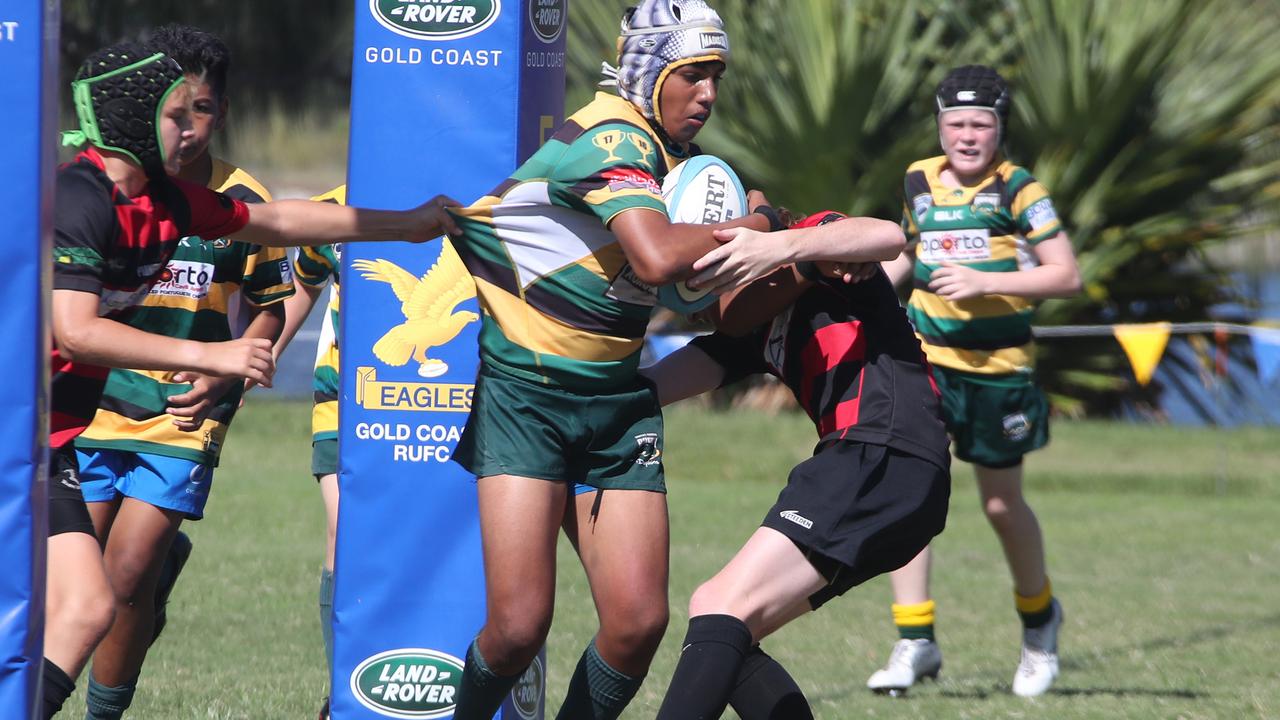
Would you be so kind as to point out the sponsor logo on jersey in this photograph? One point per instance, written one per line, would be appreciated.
(114, 300)
(940, 245)
(436, 19)
(408, 683)
(547, 18)
(648, 453)
(286, 272)
(986, 202)
(183, 278)
(1016, 426)
(526, 696)
(1041, 213)
(624, 179)
(628, 288)
(796, 518)
(922, 203)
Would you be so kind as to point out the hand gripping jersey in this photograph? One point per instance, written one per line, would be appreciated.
(314, 266)
(987, 228)
(191, 300)
(850, 358)
(116, 247)
(561, 305)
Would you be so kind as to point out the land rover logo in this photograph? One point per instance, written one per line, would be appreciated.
(547, 19)
(436, 19)
(526, 696)
(408, 683)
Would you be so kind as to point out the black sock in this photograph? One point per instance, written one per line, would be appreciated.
(766, 691)
(481, 691)
(58, 686)
(596, 690)
(714, 648)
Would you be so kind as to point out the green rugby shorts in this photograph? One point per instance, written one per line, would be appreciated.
(610, 441)
(993, 419)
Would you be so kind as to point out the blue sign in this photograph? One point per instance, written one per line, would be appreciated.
(447, 97)
(28, 61)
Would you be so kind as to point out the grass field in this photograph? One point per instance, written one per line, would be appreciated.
(1163, 546)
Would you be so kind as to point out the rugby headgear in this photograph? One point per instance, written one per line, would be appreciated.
(659, 36)
(119, 92)
(975, 87)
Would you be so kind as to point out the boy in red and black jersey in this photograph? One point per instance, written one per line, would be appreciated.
(119, 216)
(116, 247)
(876, 489)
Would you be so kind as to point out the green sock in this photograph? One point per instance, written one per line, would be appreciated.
(481, 691)
(326, 616)
(597, 691)
(108, 703)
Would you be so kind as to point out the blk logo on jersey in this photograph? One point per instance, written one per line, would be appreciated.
(182, 278)
(952, 245)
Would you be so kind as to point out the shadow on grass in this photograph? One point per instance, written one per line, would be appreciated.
(1214, 633)
(1004, 691)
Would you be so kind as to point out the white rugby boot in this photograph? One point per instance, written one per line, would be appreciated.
(910, 661)
(1039, 665)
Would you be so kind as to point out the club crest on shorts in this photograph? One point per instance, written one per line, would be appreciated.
(648, 452)
(1016, 426)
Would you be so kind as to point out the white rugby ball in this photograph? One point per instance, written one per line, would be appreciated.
(700, 191)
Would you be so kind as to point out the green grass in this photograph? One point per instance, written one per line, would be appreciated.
(1162, 546)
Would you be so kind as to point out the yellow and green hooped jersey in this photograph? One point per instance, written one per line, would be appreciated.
(191, 300)
(987, 227)
(561, 305)
(315, 266)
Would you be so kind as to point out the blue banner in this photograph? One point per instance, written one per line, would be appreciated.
(28, 60)
(1266, 352)
(447, 97)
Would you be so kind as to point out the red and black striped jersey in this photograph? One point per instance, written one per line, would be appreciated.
(852, 361)
(116, 247)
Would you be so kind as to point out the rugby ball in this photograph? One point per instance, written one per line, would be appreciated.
(699, 191)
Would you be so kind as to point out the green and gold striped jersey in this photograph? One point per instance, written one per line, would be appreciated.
(191, 300)
(561, 304)
(989, 227)
(314, 267)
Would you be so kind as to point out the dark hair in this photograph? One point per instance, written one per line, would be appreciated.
(197, 51)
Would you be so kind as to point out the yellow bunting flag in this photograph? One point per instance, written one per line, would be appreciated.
(1144, 344)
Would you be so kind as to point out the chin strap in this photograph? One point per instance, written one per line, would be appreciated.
(610, 74)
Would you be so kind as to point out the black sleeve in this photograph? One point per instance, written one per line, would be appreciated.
(84, 230)
(739, 356)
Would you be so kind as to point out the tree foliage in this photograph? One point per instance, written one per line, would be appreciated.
(1152, 123)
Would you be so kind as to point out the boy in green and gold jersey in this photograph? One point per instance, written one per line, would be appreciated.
(147, 459)
(987, 244)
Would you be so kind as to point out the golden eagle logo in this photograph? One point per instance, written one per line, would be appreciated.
(428, 304)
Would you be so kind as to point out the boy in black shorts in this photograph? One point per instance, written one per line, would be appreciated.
(873, 494)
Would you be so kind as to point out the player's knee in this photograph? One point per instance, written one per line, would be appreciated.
(517, 637)
(129, 579)
(639, 628)
(710, 599)
(86, 614)
(1000, 511)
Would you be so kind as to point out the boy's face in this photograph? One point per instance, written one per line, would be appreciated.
(176, 127)
(208, 114)
(970, 139)
(687, 97)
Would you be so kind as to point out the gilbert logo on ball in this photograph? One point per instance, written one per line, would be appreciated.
(436, 19)
(701, 190)
(408, 683)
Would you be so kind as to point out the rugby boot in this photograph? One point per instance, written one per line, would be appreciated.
(174, 561)
(1039, 665)
(910, 661)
